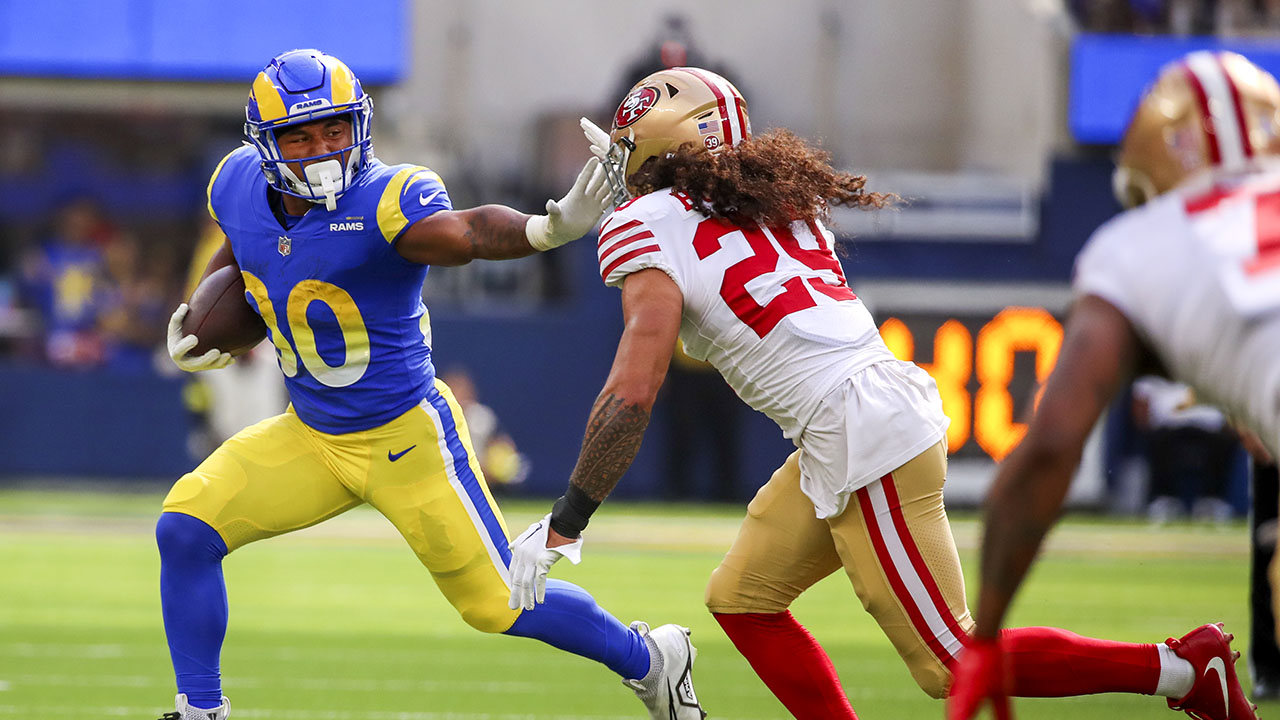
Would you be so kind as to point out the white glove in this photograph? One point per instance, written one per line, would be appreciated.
(599, 139)
(574, 214)
(179, 346)
(614, 157)
(531, 560)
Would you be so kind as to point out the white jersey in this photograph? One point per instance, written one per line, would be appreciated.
(1198, 276)
(770, 309)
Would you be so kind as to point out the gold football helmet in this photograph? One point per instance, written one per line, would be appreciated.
(1206, 111)
(667, 109)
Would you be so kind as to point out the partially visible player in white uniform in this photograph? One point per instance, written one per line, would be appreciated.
(1185, 284)
(724, 246)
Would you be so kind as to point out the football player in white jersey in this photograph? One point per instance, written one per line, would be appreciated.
(1185, 283)
(724, 245)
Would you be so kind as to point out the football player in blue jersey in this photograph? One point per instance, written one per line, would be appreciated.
(333, 246)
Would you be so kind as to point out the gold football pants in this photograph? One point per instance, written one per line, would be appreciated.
(893, 541)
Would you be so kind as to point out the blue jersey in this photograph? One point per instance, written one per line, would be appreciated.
(342, 307)
(69, 288)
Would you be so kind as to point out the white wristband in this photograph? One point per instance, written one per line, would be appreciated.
(536, 232)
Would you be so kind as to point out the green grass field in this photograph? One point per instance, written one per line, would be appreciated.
(339, 622)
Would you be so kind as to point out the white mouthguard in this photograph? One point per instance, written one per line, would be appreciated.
(325, 174)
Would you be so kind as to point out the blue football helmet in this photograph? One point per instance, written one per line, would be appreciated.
(297, 87)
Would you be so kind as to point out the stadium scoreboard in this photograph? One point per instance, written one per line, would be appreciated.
(989, 367)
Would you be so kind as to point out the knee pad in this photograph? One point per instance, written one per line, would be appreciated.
(185, 538)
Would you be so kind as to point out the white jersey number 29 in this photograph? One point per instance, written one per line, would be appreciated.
(795, 296)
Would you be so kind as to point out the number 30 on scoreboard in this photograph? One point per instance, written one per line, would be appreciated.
(990, 384)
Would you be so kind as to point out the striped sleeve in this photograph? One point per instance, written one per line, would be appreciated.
(627, 245)
(413, 193)
(218, 191)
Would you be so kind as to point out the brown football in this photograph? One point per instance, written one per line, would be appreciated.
(220, 316)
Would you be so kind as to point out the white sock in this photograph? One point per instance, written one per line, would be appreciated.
(1176, 675)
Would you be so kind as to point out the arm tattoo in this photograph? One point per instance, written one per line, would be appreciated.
(613, 436)
(497, 234)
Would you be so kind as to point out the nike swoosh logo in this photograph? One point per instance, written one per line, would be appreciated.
(1219, 667)
(396, 456)
(425, 200)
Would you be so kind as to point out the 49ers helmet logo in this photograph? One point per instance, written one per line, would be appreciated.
(635, 106)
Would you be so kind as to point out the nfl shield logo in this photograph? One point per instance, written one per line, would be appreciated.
(285, 245)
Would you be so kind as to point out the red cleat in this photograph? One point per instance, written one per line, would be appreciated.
(1216, 694)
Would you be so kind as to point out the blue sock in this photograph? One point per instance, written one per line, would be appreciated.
(193, 598)
(571, 620)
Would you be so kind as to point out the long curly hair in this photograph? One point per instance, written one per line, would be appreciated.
(775, 178)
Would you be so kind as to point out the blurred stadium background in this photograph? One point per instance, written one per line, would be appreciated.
(994, 119)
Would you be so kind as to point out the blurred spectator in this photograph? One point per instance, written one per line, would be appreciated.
(502, 464)
(704, 416)
(1191, 17)
(65, 281)
(1190, 451)
(1179, 17)
(1247, 17)
(1122, 16)
(673, 46)
(135, 305)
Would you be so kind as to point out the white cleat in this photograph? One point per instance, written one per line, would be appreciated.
(184, 711)
(667, 690)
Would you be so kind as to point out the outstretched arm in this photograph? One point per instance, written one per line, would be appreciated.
(456, 237)
(1099, 354)
(651, 308)
(497, 232)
